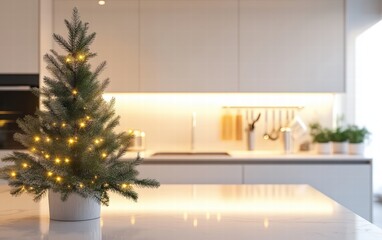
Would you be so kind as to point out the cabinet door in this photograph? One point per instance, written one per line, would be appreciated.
(292, 46)
(117, 42)
(192, 174)
(189, 46)
(19, 21)
(348, 184)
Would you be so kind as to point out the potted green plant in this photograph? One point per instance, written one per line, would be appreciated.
(357, 137)
(339, 138)
(321, 137)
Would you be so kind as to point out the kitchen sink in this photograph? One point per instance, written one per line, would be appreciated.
(158, 154)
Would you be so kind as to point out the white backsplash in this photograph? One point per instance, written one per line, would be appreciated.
(167, 118)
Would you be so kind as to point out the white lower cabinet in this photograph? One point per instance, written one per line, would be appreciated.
(190, 174)
(348, 184)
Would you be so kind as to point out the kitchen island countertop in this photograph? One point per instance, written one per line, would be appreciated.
(192, 212)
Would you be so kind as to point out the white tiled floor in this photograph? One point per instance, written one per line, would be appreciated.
(377, 214)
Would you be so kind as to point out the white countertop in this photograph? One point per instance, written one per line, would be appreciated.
(243, 157)
(213, 212)
(253, 157)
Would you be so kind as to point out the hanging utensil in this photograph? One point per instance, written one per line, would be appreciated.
(265, 135)
(274, 135)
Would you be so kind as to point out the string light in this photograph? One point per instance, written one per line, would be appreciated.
(124, 185)
(58, 179)
(50, 174)
(81, 57)
(67, 160)
(13, 174)
(25, 165)
(101, 2)
(57, 160)
(71, 140)
(47, 139)
(81, 185)
(33, 149)
(104, 155)
(74, 92)
(63, 125)
(68, 59)
(37, 139)
(82, 124)
(87, 117)
(47, 156)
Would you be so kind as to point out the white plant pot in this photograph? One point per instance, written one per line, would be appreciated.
(324, 148)
(356, 148)
(340, 147)
(75, 208)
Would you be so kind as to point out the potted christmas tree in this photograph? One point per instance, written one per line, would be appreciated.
(74, 153)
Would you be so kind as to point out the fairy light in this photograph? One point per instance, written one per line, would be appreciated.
(33, 149)
(71, 140)
(47, 139)
(63, 125)
(81, 185)
(74, 92)
(67, 160)
(47, 156)
(58, 179)
(50, 174)
(13, 174)
(25, 165)
(87, 118)
(104, 155)
(37, 139)
(81, 57)
(82, 124)
(68, 59)
(124, 185)
(57, 160)
(101, 2)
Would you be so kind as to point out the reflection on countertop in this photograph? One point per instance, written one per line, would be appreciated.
(197, 212)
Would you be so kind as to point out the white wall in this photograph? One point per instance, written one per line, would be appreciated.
(364, 57)
(166, 118)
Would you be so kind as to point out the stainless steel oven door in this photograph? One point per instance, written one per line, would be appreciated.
(15, 102)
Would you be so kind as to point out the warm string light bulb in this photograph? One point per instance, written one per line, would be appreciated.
(57, 160)
(67, 160)
(71, 140)
(50, 174)
(13, 174)
(25, 165)
(82, 125)
(101, 2)
(74, 92)
(47, 140)
(37, 139)
(47, 156)
(124, 186)
(104, 155)
(58, 179)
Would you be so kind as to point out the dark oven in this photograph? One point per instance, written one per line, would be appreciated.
(16, 101)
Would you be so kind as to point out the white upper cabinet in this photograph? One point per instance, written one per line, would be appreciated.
(189, 46)
(213, 45)
(292, 46)
(19, 24)
(117, 41)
